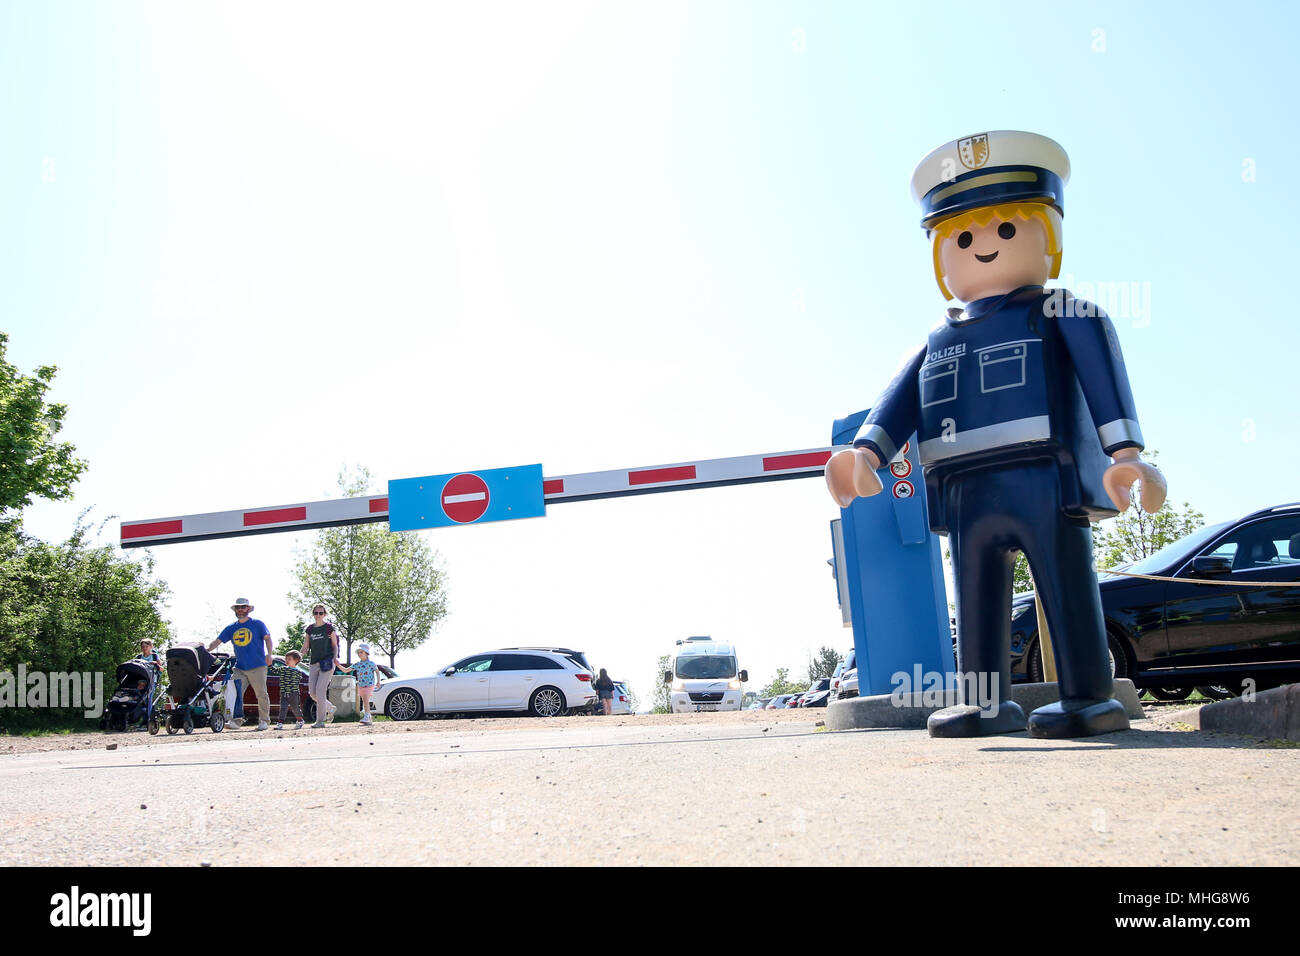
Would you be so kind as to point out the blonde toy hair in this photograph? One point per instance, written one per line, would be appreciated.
(1007, 212)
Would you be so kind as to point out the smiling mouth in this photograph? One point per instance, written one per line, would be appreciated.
(989, 258)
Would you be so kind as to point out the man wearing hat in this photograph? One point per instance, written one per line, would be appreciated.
(1026, 428)
(253, 654)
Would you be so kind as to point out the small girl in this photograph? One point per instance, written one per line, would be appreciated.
(368, 680)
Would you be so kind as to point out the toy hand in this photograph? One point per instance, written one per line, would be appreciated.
(1127, 469)
(851, 474)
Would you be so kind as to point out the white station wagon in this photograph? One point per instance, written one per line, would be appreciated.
(544, 681)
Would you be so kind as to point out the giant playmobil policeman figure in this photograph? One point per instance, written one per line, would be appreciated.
(1020, 402)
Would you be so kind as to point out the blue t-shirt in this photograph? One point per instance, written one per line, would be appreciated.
(249, 639)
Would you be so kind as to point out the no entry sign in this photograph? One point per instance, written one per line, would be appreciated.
(466, 497)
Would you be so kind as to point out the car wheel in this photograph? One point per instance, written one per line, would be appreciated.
(1216, 691)
(1114, 650)
(546, 702)
(404, 704)
(1170, 693)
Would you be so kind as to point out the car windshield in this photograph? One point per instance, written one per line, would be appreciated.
(1176, 553)
(705, 667)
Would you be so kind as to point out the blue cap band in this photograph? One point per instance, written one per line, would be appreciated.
(991, 187)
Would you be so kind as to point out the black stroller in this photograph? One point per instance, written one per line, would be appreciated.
(197, 689)
(136, 699)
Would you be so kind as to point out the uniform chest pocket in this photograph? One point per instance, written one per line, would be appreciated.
(938, 383)
(1002, 366)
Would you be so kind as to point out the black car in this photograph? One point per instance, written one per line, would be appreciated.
(1213, 627)
(818, 695)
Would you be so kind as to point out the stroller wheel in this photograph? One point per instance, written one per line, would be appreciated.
(218, 723)
(153, 727)
(189, 724)
(171, 728)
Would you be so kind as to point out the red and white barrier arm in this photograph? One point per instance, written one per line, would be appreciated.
(335, 512)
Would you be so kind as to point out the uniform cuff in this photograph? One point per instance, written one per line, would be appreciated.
(878, 440)
(1121, 433)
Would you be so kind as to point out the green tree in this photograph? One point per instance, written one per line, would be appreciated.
(412, 598)
(293, 637)
(341, 569)
(31, 461)
(1135, 534)
(661, 698)
(823, 664)
(73, 607)
(781, 684)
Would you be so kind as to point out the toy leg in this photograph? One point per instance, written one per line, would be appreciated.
(982, 559)
(1060, 554)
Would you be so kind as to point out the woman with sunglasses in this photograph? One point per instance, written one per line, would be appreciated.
(322, 639)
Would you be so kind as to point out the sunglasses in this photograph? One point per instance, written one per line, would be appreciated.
(317, 613)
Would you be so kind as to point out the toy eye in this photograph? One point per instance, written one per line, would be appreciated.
(964, 240)
(1006, 230)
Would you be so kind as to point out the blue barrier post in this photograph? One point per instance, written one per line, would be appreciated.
(897, 599)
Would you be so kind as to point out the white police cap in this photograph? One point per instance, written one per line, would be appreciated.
(986, 169)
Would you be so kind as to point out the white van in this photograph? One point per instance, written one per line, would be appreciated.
(705, 676)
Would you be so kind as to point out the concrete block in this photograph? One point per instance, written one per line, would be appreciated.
(1272, 715)
(343, 695)
(883, 710)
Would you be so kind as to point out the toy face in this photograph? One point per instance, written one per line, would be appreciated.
(981, 261)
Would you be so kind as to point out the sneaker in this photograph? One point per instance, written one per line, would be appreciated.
(329, 714)
(367, 719)
(263, 725)
(298, 726)
(238, 721)
(319, 724)
(279, 726)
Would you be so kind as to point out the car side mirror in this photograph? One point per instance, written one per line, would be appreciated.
(668, 677)
(744, 677)
(1212, 564)
(448, 672)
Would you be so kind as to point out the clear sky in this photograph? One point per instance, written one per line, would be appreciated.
(262, 241)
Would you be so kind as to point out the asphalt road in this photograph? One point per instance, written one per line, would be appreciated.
(676, 791)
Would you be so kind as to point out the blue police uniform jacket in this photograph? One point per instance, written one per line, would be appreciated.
(1031, 375)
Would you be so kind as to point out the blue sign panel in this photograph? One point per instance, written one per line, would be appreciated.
(465, 497)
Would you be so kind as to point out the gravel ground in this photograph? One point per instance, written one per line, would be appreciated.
(97, 740)
(747, 788)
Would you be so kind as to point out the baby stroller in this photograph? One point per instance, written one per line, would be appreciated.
(198, 680)
(136, 698)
